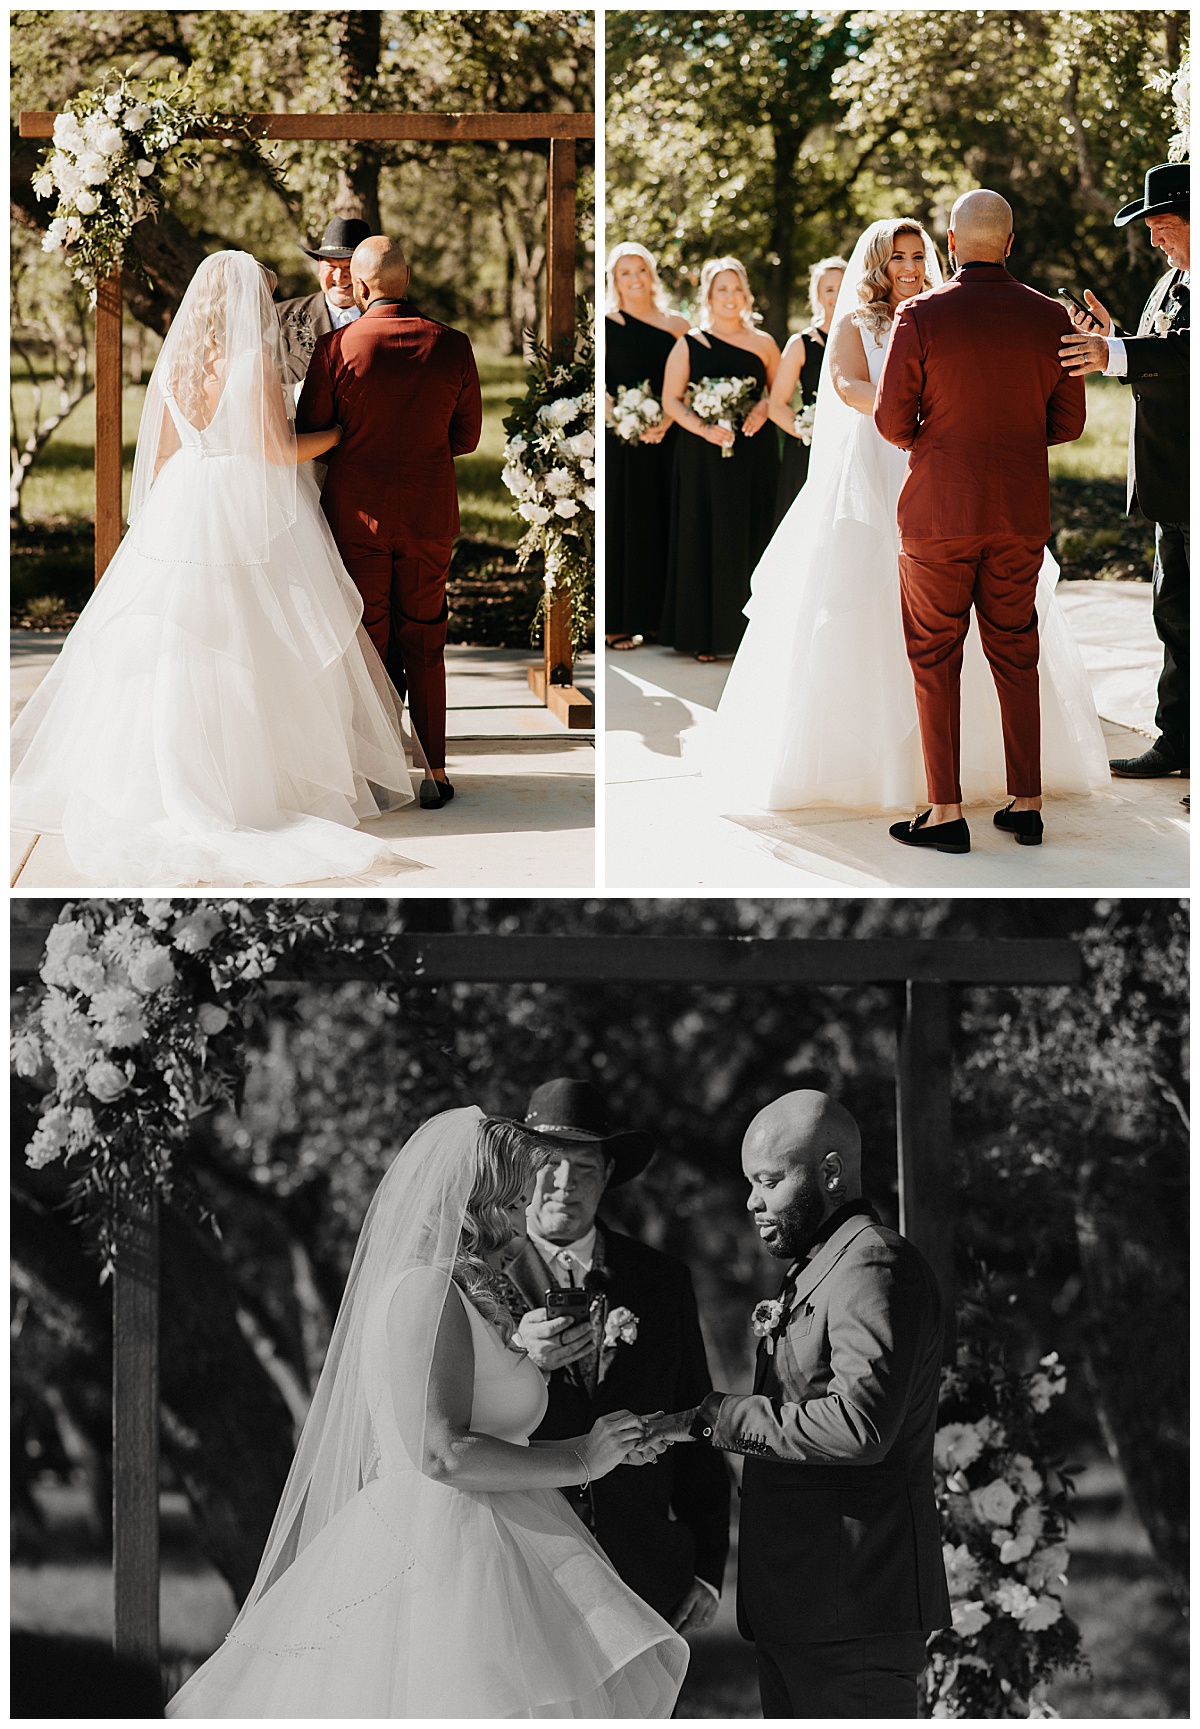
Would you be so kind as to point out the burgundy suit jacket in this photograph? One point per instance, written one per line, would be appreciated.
(973, 389)
(406, 393)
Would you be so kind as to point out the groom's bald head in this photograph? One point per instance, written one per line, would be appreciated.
(981, 228)
(378, 270)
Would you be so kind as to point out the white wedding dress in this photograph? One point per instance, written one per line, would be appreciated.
(819, 705)
(421, 1600)
(217, 715)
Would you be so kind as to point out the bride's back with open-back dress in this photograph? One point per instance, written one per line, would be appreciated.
(414, 1598)
(217, 714)
(819, 705)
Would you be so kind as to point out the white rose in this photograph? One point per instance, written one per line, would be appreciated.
(582, 444)
(212, 1018)
(994, 1503)
(145, 168)
(86, 203)
(106, 1082)
(197, 930)
(1012, 1549)
(566, 507)
(969, 1618)
(151, 969)
(136, 117)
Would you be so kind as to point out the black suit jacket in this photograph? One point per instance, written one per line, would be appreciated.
(660, 1525)
(839, 1535)
(1157, 372)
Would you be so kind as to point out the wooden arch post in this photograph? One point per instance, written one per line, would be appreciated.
(926, 968)
(553, 681)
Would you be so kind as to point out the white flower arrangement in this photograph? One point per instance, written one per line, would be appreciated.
(804, 423)
(1003, 1519)
(635, 410)
(1179, 85)
(724, 402)
(550, 470)
(100, 171)
(134, 1029)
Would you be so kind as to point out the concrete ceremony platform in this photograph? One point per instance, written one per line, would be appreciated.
(523, 815)
(666, 829)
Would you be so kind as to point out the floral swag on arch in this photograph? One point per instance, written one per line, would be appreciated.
(140, 1028)
(104, 168)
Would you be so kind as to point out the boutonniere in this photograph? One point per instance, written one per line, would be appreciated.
(1164, 319)
(620, 1328)
(767, 1319)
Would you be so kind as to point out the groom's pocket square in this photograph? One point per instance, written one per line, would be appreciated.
(801, 1319)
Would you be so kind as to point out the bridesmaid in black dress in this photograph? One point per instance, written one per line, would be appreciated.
(801, 364)
(639, 334)
(722, 508)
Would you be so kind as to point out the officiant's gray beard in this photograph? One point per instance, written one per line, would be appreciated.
(798, 1224)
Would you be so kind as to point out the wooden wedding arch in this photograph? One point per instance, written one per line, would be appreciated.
(553, 681)
(925, 969)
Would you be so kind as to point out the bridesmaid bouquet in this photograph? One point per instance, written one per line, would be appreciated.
(804, 422)
(635, 410)
(724, 402)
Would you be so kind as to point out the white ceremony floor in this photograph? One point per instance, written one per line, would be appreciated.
(664, 832)
(524, 807)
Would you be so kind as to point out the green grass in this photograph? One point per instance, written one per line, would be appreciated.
(1102, 451)
(60, 485)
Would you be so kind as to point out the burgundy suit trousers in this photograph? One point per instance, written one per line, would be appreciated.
(940, 580)
(404, 606)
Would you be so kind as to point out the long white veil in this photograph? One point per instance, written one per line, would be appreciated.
(368, 1412)
(219, 390)
(788, 717)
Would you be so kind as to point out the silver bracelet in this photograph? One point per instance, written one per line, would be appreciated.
(587, 1475)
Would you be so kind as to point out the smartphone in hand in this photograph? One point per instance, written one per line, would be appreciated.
(1066, 294)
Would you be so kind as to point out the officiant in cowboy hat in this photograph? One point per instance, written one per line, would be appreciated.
(308, 316)
(665, 1527)
(1154, 363)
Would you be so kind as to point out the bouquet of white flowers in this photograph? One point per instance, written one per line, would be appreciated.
(803, 427)
(550, 469)
(635, 410)
(724, 402)
(103, 168)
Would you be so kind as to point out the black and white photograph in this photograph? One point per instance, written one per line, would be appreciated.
(303, 454)
(599, 1308)
(897, 459)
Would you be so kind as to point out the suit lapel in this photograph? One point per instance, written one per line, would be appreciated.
(828, 1255)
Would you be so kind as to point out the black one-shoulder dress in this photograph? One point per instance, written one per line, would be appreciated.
(722, 514)
(793, 466)
(637, 486)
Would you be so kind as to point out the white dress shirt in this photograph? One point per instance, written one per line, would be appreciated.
(565, 1258)
(340, 315)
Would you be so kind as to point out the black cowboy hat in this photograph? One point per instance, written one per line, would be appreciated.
(340, 238)
(1168, 187)
(574, 1114)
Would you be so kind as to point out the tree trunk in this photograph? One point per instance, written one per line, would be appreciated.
(226, 1429)
(1131, 1229)
(357, 38)
(781, 247)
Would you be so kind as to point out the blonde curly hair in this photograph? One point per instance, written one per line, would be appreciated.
(632, 249)
(875, 287)
(505, 1159)
(708, 275)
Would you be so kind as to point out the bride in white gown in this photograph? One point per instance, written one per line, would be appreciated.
(819, 705)
(217, 715)
(422, 1562)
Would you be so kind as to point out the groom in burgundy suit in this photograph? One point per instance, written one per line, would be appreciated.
(972, 388)
(406, 393)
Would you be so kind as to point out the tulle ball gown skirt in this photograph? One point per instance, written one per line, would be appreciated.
(419, 1600)
(212, 720)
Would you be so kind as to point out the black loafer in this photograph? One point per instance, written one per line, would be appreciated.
(435, 793)
(1155, 763)
(1025, 825)
(944, 837)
